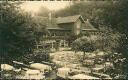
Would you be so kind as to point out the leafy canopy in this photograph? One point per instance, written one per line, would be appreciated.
(16, 34)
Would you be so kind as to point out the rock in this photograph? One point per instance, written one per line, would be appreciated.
(85, 70)
(108, 64)
(63, 72)
(88, 62)
(6, 67)
(59, 63)
(41, 67)
(100, 53)
(80, 71)
(73, 66)
(83, 76)
(7, 75)
(17, 70)
(33, 74)
(101, 75)
(25, 69)
(76, 71)
(92, 55)
(98, 68)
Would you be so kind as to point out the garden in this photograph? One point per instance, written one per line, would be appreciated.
(93, 56)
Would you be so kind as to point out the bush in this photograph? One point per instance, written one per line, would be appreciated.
(38, 56)
(106, 40)
(85, 44)
(119, 67)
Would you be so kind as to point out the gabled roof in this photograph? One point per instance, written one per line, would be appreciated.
(53, 24)
(69, 19)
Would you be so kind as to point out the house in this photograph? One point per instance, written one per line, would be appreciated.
(72, 25)
(62, 27)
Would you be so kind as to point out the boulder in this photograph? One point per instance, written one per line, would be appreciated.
(88, 62)
(101, 75)
(76, 71)
(83, 76)
(17, 70)
(73, 66)
(108, 65)
(6, 67)
(33, 74)
(101, 53)
(63, 72)
(41, 67)
(92, 55)
(98, 68)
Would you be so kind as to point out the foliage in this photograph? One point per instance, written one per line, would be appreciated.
(72, 38)
(16, 31)
(37, 57)
(84, 44)
(106, 40)
(118, 60)
(8, 75)
(43, 11)
(102, 13)
(40, 30)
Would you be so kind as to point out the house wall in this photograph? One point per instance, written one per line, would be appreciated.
(77, 27)
(66, 25)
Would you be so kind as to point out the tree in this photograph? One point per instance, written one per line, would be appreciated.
(84, 44)
(43, 11)
(106, 40)
(40, 28)
(111, 13)
(16, 31)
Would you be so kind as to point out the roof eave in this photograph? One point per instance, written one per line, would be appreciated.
(65, 23)
(56, 29)
(89, 29)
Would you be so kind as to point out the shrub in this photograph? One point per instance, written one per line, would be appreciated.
(37, 56)
(16, 31)
(85, 44)
(106, 40)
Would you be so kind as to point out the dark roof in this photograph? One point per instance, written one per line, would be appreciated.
(69, 19)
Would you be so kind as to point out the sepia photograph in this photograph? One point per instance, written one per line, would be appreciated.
(57, 39)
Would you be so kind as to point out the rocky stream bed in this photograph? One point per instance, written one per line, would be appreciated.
(66, 65)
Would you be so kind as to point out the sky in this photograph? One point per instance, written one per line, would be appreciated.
(34, 6)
